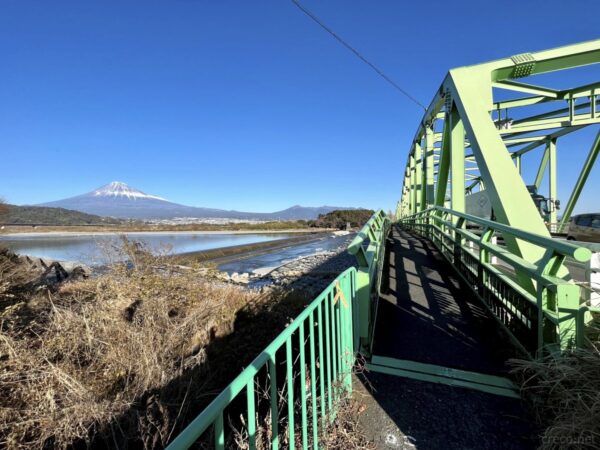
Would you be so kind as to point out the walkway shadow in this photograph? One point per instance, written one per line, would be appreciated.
(427, 315)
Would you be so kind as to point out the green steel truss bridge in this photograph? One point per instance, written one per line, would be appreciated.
(440, 298)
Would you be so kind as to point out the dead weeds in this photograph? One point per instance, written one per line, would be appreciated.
(121, 359)
(564, 394)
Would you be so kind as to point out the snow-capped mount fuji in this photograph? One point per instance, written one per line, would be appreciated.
(118, 199)
(120, 189)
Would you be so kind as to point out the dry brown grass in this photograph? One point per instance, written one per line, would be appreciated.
(122, 359)
(14, 277)
(127, 359)
(343, 433)
(564, 392)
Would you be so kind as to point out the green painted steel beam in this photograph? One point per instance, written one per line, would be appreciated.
(552, 181)
(469, 91)
(419, 181)
(524, 140)
(578, 92)
(518, 102)
(433, 369)
(556, 112)
(580, 183)
(444, 166)
(526, 88)
(506, 190)
(429, 167)
(549, 124)
(537, 143)
(475, 182)
(542, 167)
(444, 375)
(570, 56)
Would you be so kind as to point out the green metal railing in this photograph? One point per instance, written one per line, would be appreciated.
(369, 249)
(307, 369)
(293, 385)
(531, 299)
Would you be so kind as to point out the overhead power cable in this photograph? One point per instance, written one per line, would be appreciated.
(356, 52)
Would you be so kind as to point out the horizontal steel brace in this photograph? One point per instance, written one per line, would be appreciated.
(444, 375)
(559, 122)
(526, 88)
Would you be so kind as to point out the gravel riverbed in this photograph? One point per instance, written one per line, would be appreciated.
(311, 273)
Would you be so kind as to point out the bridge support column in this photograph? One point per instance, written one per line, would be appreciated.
(552, 181)
(413, 186)
(429, 176)
(506, 190)
(457, 160)
(419, 205)
(443, 166)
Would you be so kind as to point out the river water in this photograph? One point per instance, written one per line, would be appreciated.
(103, 248)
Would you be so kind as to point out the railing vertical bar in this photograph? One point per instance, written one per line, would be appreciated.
(342, 308)
(274, 403)
(346, 328)
(313, 380)
(351, 324)
(340, 351)
(334, 353)
(219, 433)
(328, 349)
(303, 387)
(321, 358)
(251, 414)
(290, 387)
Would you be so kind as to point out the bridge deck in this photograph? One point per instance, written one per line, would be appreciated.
(425, 315)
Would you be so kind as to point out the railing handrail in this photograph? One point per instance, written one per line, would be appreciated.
(578, 253)
(372, 226)
(539, 283)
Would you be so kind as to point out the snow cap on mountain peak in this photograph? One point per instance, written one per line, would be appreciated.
(121, 189)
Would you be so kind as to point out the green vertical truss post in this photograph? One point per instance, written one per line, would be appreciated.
(552, 181)
(457, 161)
(419, 181)
(443, 167)
(583, 176)
(429, 167)
(542, 167)
(413, 185)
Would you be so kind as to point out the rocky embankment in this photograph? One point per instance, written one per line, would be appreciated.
(311, 273)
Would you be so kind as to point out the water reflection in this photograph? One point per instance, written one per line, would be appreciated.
(97, 249)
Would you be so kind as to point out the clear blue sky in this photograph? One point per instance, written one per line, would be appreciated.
(245, 105)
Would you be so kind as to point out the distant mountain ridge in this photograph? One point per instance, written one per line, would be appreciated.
(118, 199)
(43, 215)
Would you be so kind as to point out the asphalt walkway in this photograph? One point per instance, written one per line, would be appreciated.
(426, 315)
